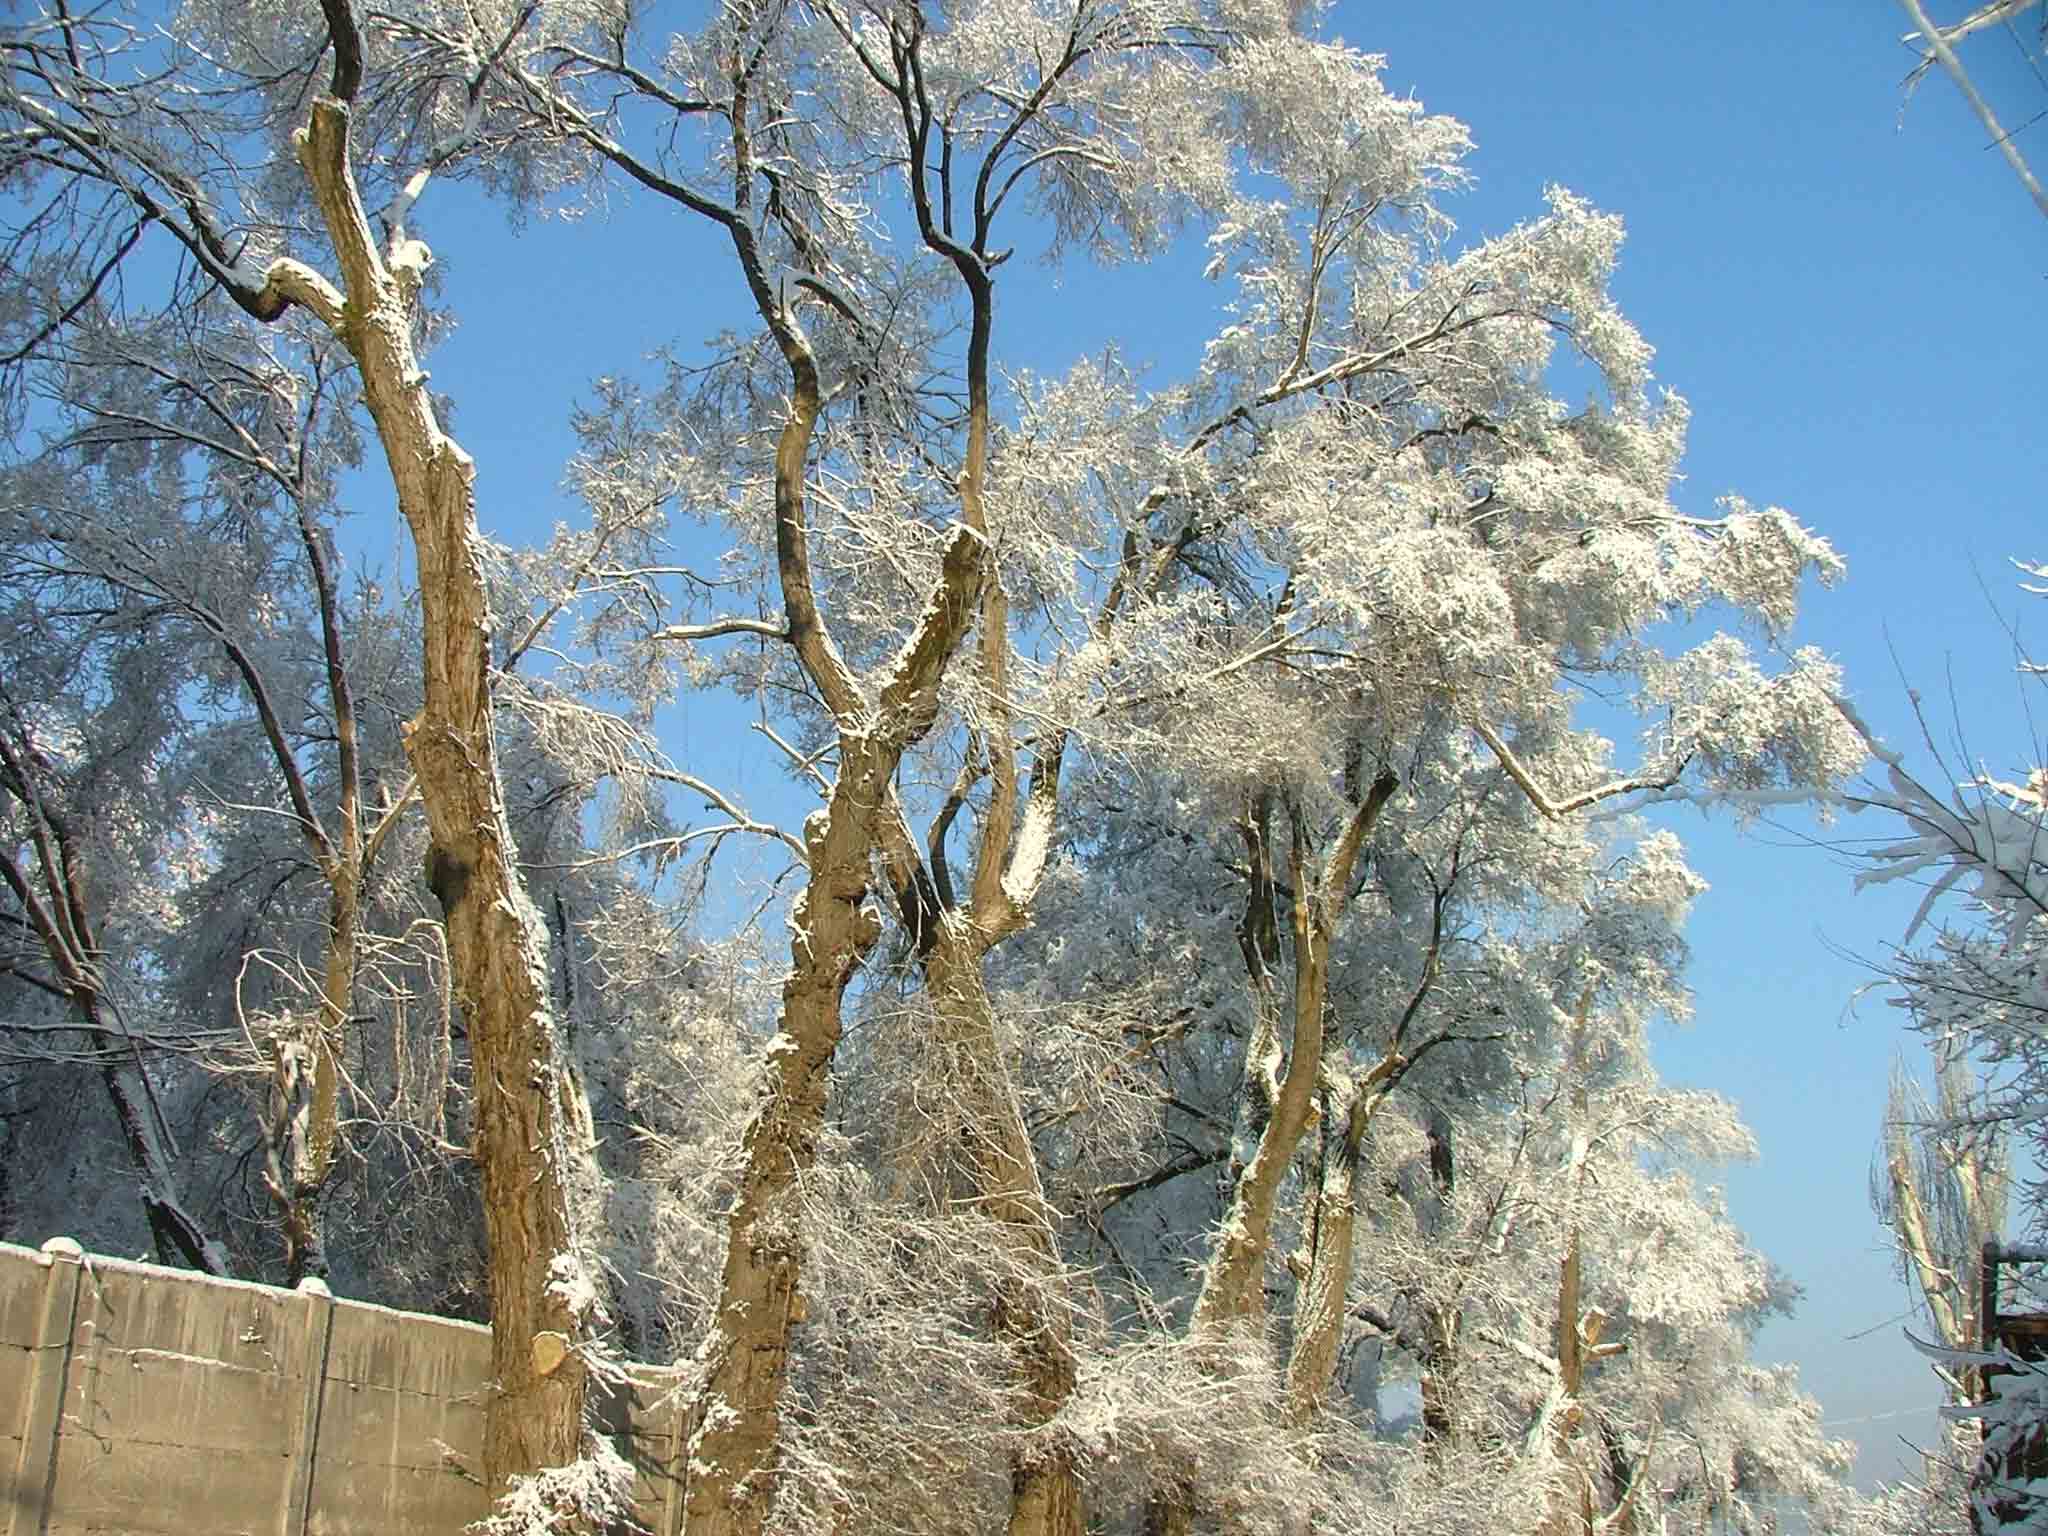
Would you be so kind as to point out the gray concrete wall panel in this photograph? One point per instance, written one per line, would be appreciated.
(144, 1400)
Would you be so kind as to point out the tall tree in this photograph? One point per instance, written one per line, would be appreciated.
(91, 119)
(1300, 635)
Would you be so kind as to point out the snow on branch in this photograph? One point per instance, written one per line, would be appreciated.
(1578, 801)
(1939, 47)
(1994, 835)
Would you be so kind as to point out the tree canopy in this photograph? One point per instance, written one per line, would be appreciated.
(1170, 1050)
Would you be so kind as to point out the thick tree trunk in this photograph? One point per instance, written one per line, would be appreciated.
(833, 926)
(1319, 1305)
(1033, 1312)
(532, 1130)
(746, 1358)
(531, 1127)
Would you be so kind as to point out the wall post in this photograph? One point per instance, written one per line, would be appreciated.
(48, 1380)
(302, 1434)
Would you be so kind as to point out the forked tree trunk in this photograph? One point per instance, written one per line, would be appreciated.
(1282, 1104)
(745, 1359)
(1324, 1271)
(1277, 1106)
(1033, 1310)
(833, 926)
(62, 916)
(1578, 1329)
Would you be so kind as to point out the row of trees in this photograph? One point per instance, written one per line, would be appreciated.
(1218, 952)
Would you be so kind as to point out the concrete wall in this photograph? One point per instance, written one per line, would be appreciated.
(139, 1400)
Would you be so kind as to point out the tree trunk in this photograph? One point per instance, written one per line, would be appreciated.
(1578, 1328)
(1032, 1311)
(1277, 1109)
(61, 915)
(1440, 1324)
(1439, 1379)
(746, 1357)
(341, 858)
(1572, 1512)
(1233, 1289)
(305, 1119)
(532, 1130)
(1319, 1307)
(178, 1235)
(1274, 1108)
(1171, 1512)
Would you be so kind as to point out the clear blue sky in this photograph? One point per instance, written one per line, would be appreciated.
(1855, 310)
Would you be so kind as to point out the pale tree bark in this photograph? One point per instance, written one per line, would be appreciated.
(1578, 1328)
(532, 1129)
(311, 1154)
(1034, 1310)
(834, 925)
(1279, 1104)
(1324, 1265)
(1323, 1269)
(834, 922)
(1942, 1192)
(1033, 1313)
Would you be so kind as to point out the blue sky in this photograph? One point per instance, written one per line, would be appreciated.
(1854, 305)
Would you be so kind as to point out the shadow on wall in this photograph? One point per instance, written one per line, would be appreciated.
(150, 1400)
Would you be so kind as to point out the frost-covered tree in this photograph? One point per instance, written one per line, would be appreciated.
(90, 735)
(261, 441)
(100, 132)
(1196, 774)
(1967, 978)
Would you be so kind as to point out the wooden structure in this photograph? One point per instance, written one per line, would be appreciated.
(2013, 1456)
